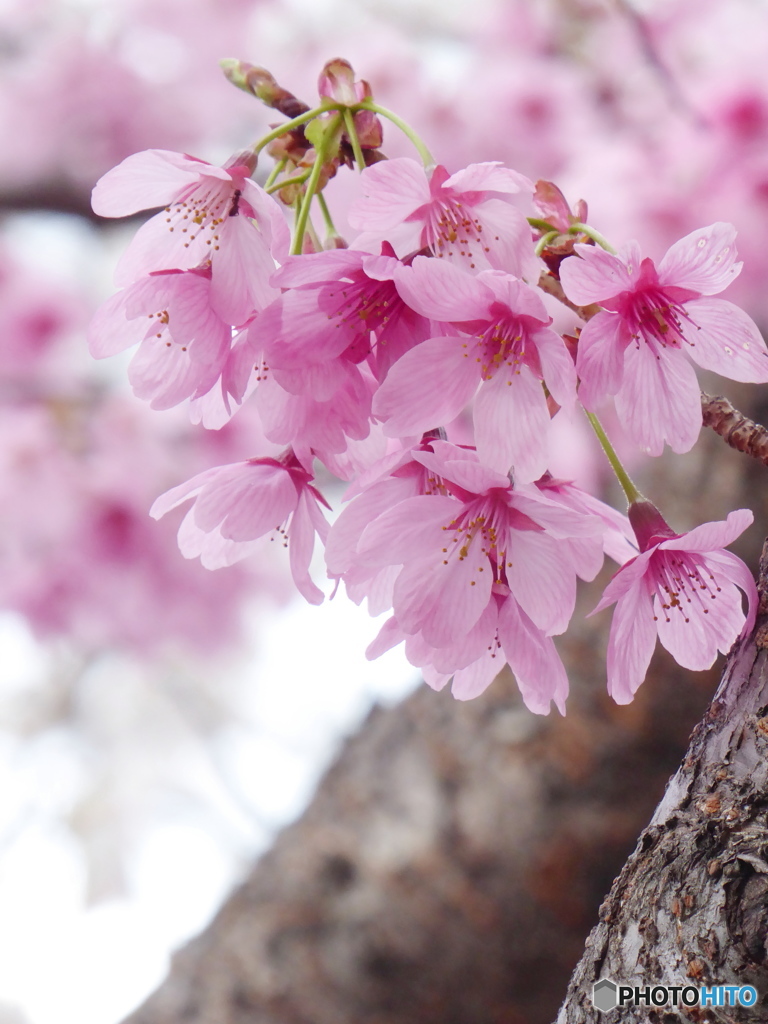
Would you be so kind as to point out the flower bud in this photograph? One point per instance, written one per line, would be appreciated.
(337, 83)
(648, 523)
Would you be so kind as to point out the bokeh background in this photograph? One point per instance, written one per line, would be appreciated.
(158, 722)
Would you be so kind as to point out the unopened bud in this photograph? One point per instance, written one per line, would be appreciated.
(553, 207)
(337, 83)
(262, 84)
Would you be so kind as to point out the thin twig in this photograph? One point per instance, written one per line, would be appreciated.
(736, 429)
(552, 286)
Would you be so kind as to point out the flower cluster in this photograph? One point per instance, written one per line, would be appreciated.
(419, 363)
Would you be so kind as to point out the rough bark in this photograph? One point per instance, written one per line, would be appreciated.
(691, 904)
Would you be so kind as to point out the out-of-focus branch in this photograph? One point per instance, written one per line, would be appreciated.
(736, 429)
(50, 197)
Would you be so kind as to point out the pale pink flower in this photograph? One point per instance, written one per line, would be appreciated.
(238, 504)
(215, 214)
(503, 634)
(652, 318)
(472, 217)
(683, 588)
(183, 343)
(506, 349)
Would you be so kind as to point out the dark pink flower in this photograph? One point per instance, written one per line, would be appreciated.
(472, 531)
(653, 318)
(503, 635)
(471, 217)
(341, 303)
(505, 348)
(215, 214)
(237, 505)
(683, 588)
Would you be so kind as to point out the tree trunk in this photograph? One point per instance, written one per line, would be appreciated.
(690, 906)
(449, 867)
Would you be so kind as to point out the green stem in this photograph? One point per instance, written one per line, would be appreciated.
(349, 124)
(426, 156)
(586, 229)
(329, 225)
(297, 179)
(329, 138)
(287, 126)
(628, 487)
(544, 241)
(276, 171)
(539, 224)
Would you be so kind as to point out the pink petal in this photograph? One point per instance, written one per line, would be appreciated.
(507, 237)
(712, 536)
(301, 541)
(512, 424)
(427, 388)
(408, 530)
(542, 585)
(733, 569)
(341, 548)
(466, 472)
(659, 399)
(600, 357)
(557, 366)
(389, 636)
(393, 189)
(533, 658)
(442, 291)
(249, 500)
(110, 331)
(177, 495)
(693, 638)
(240, 272)
(727, 341)
(144, 180)
(154, 248)
(165, 375)
(490, 176)
(593, 275)
(704, 261)
(471, 681)
(631, 643)
(625, 579)
(444, 597)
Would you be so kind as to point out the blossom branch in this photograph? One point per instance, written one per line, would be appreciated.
(736, 429)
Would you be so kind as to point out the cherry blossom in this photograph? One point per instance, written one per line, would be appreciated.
(341, 303)
(471, 217)
(505, 348)
(238, 504)
(503, 634)
(683, 588)
(215, 214)
(635, 347)
(184, 345)
(454, 546)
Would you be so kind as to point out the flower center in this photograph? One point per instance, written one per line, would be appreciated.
(501, 344)
(682, 584)
(657, 319)
(451, 231)
(202, 211)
